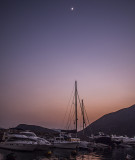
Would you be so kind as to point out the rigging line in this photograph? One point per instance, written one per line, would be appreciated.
(72, 118)
(79, 99)
(88, 122)
(80, 104)
(69, 114)
(68, 120)
(86, 116)
(80, 113)
(83, 111)
(67, 107)
(72, 114)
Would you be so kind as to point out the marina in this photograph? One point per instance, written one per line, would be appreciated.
(27, 146)
(67, 88)
(22, 144)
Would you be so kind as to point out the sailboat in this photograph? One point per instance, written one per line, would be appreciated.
(65, 140)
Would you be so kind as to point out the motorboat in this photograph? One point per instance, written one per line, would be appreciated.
(129, 141)
(25, 141)
(42, 143)
(19, 142)
(118, 139)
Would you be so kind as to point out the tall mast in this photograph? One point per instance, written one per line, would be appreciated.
(76, 105)
(83, 115)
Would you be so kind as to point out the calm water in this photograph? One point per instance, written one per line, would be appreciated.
(64, 154)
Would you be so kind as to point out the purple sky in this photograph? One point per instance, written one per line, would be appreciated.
(45, 47)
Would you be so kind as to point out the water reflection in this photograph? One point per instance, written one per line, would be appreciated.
(37, 155)
(65, 154)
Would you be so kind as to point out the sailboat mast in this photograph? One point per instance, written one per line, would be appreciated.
(83, 115)
(76, 105)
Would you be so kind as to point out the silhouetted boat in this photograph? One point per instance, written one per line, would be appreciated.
(24, 141)
(19, 142)
(65, 140)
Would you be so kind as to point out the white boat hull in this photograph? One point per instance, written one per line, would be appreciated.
(24, 141)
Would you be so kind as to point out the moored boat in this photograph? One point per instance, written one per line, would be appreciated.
(42, 143)
(129, 141)
(24, 141)
(17, 142)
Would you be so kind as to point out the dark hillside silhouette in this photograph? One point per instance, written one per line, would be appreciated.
(121, 122)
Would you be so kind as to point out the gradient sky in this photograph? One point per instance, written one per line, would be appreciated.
(45, 47)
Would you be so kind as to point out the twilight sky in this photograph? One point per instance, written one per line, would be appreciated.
(46, 46)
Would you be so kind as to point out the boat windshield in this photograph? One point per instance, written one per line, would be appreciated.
(28, 134)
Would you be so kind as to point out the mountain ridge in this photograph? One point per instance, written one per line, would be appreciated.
(120, 122)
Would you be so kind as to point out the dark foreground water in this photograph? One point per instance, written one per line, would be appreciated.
(65, 154)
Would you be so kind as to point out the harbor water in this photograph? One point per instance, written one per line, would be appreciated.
(65, 154)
